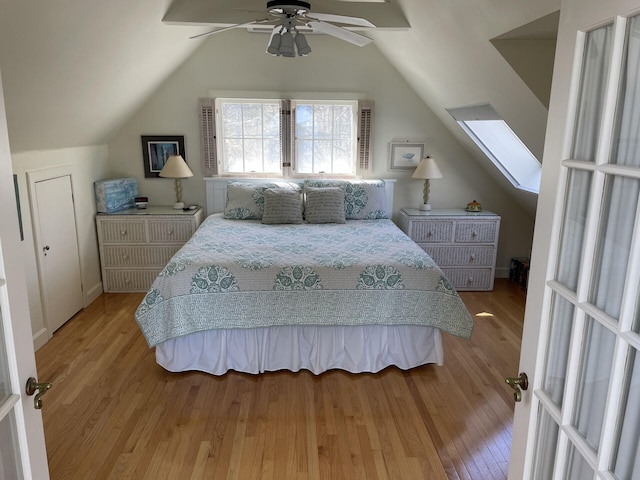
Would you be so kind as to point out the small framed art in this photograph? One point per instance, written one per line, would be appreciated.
(156, 149)
(406, 155)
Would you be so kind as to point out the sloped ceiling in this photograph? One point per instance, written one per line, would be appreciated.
(74, 70)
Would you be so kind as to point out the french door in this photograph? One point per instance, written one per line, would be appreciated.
(582, 420)
(22, 448)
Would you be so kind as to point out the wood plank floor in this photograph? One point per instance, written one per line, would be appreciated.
(113, 413)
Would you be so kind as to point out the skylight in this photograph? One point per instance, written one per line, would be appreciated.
(501, 145)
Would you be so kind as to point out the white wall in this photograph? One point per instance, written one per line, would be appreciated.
(88, 164)
(400, 115)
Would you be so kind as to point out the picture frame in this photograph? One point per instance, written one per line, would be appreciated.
(406, 155)
(156, 149)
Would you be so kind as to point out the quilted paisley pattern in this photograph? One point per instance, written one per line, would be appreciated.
(246, 274)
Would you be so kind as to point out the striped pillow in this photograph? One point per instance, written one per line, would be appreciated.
(324, 205)
(282, 206)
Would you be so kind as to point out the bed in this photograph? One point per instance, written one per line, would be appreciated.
(291, 292)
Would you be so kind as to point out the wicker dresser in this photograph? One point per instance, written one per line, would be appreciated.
(136, 244)
(463, 244)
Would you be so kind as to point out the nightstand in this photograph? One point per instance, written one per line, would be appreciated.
(463, 244)
(136, 244)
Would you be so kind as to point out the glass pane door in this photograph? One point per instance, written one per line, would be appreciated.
(9, 459)
(589, 398)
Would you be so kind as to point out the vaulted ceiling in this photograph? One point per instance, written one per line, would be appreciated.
(75, 70)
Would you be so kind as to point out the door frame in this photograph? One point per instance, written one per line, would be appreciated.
(33, 177)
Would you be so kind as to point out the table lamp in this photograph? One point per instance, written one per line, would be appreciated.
(426, 169)
(177, 168)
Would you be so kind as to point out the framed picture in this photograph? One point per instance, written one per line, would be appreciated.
(156, 149)
(406, 155)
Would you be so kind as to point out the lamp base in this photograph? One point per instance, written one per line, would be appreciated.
(178, 205)
(425, 207)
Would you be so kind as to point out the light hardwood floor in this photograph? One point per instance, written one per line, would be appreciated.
(113, 413)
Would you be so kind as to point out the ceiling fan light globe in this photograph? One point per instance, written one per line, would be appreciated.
(302, 45)
(274, 45)
(286, 45)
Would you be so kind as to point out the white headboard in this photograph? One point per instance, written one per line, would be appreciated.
(216, 190)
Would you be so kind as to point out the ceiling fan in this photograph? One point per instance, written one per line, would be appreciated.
(289, 16)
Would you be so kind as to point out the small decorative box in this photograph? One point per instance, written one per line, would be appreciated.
(115, 195)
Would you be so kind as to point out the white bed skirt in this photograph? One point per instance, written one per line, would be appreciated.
(358, 349)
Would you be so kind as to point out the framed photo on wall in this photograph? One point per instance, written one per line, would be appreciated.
(156, 149)
(406, 155)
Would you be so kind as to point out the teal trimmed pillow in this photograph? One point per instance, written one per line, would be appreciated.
(245, 201)
(364, 199)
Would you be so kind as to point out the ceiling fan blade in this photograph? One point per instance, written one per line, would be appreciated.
(327, 17)
(341, 33)
(224, 29)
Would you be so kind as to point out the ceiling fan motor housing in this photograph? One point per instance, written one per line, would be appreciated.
(294, 7)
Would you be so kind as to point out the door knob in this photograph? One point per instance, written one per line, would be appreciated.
(32, 387)
(518, 384)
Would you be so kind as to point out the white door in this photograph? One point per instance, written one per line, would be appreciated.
(57, 245)
(580, 418)
(22, 446)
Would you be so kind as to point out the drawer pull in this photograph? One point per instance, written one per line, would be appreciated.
(470, 281)
(125, 257)
(127, 281)
(123, 232)
(170, 231)
(474, 234)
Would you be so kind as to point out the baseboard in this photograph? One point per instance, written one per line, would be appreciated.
(40, 338)
(92, 294)
(502, 272)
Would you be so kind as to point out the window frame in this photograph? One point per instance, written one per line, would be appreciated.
(353, 167)
(362, 134)
(220, 103)
(523, 177)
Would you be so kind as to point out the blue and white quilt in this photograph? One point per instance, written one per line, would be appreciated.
(243, 274)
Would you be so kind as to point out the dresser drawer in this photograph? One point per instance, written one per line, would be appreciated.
(135, 245)
(431, 232)
(114, 231)
(138, 256)
(476, 232)
(461, 255)
(169, 231)
(129, 280)
(470, 278)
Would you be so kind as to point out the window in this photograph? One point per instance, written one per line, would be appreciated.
(501, 145)
(325, 137)
(249, 136)
(285, 137)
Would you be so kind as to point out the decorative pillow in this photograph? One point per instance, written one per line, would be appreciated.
(245, 201)
(364, 199)
(282, 206)
(324, 205)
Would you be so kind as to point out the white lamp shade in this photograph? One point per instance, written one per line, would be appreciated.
(427, 168)
(176, 167)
